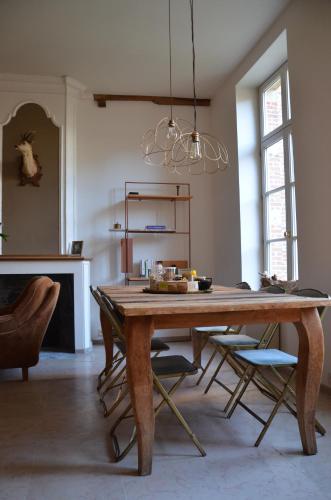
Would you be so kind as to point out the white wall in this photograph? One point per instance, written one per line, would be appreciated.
(249, 184)
(309, 54)
(108, 146)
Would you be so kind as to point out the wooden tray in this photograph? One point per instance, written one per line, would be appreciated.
(175, 292)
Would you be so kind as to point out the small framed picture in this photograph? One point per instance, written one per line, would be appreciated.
(76, 247)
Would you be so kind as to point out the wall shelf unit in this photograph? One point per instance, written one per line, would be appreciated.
(174, 193)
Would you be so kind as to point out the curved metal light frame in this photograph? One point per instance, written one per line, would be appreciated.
(214, 155)
(174, 153)
(157, 152)
(155, 145)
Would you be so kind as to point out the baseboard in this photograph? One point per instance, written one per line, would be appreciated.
(174, 338)
(97, 341)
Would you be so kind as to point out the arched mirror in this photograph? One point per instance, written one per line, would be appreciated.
(31, 183)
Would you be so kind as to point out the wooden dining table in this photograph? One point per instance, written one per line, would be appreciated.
(143, 313)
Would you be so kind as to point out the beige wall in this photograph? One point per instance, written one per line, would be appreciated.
(30, 215)
(108, 146)
(309, 54)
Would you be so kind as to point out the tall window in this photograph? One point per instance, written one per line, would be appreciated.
(278, 181)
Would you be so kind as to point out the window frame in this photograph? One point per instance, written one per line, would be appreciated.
(282, 132)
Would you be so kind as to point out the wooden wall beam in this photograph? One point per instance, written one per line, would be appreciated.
(102, 99)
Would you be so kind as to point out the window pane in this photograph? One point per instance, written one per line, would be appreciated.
(289, 113)
(274, 166)
(278, 259)
(294, 212)
(291, 159)
(276, 215)
(295, 259)
(272, 106)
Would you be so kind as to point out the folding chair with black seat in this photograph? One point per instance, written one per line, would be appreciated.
(113, 375)
(112, 361)
(258, 361)
(164, 367)
(205, 332)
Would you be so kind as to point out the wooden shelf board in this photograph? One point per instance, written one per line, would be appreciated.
(148, 231)
(164, 231)
(141, 197)
(137, 278)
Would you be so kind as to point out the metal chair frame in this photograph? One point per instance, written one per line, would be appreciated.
(243, 285)
(279, 397)
(230, 330)
(164, 393)
(226, 353)
(166, 399)
(253, 374)
(112, 377)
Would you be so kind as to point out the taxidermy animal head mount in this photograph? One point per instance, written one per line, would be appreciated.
(30, 169)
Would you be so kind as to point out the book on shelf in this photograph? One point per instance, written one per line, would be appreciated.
(156, 227)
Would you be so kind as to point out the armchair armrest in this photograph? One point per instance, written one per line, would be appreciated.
(8, 323)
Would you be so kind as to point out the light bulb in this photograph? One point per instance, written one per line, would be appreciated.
(195, 147)
(172, 131)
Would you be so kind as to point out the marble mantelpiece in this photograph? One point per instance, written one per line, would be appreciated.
(77, 266)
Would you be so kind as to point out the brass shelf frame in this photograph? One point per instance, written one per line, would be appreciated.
(168, 198)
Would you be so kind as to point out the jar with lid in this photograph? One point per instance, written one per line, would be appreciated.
(157, 272)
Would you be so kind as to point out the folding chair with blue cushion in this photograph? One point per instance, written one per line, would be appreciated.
(226, 345)
(205, 332)
(257, 361)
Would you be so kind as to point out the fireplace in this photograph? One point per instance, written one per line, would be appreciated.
(70, 329)
(60, 334)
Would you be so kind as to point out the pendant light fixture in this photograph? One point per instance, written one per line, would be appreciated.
(198, 152)
(157, 143)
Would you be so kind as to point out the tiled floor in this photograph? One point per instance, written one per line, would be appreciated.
(53, 444)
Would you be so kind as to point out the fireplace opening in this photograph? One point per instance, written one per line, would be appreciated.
(60, 334)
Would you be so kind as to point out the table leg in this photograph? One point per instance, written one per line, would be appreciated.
(138, 332)
(198, 341)
(107, 335)
(309, 373)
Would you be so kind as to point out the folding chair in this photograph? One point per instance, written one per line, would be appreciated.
(205, 332)
(112, 376)
(232, 333)
(164, 367)
(226, 345)
(256, 361)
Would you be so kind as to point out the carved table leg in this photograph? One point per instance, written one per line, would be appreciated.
(198, 342)
(107, 335)
(309, 372)
(138, 332)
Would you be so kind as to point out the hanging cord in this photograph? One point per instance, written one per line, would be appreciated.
(170, 60)
(193, 65)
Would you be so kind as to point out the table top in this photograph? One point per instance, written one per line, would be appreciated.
(132, 301)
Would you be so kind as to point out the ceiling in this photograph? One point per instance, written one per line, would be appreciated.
(121, 46)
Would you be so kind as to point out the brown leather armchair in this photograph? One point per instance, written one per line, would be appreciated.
(23, 324)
